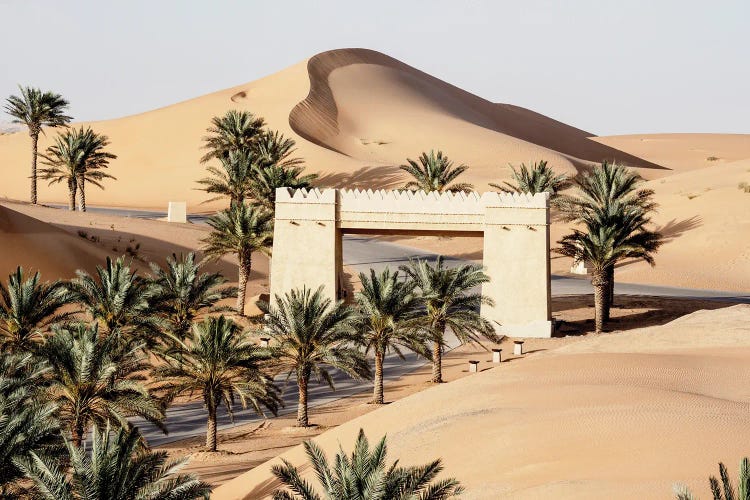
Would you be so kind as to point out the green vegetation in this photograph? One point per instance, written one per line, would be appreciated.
(612, 214)
(37, 109)
(77, 157)
(539, 178)
(744, 186)
(364, 475)
(434, 172)
(724, 490)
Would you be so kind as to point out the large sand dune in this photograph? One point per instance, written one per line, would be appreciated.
(608, 417)
(356, 115)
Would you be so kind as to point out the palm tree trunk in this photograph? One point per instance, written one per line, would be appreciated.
(611, 278)
(302, 420)
(34, 148)
(71, 194)
(437, 353)
(211, 428)
(246, 263)
(600, 281)
(77, 434)
(82, 189)
(377, 396)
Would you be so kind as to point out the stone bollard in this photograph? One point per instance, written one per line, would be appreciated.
(518, 348)
(265, 341)
(473, 366)
(496, 355)
(177, 212)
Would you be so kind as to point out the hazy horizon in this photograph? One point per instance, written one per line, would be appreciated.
(605, 67)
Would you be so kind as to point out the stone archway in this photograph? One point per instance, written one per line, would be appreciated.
(309, 226)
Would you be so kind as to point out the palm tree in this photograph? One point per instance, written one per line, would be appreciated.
(222, 364)
(365, 475)
(116, 298)
(539, 178)
(97, 379)
(114, 469)
(614, 211)
(271, 177)
(37, 109)
(236, 130)
(28, 308)
(724, 490)
(233, 179)
(272, 148)
(27, 422)
(434, 172)
(77, 157)
(386, 306)
(241, 229)
(181, 292)
(310, 334)
(449, 302)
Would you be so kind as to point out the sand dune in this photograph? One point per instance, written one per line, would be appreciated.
(623, 417)
(38, 246)
(356, 115)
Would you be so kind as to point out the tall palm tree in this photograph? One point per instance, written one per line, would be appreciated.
(434, 172)
(450, 302)
(222, 364)
(116, 298)
(311, 334)
(241, 229)
(615, 211)
(27, 422)
(97, 379)
(236, 130)
(538, 178)
(180, 292)
(386, 306)
(272, 148)
(28, 308)
(364, 475)
(724, 490)
(268, 178)
(233, 179)
(77, 157)
(119, 468)
(37, 109)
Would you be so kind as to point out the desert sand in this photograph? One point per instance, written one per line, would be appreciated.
(623, 415)
(618, 416)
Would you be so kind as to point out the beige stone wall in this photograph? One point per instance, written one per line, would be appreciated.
(309, 224)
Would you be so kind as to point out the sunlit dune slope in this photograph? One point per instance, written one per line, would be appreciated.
(356, 115)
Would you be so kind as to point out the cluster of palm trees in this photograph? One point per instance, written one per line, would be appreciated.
(76, 157)
(722, 488)
(79, 358)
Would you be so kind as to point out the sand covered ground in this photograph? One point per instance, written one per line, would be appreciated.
(624, 415)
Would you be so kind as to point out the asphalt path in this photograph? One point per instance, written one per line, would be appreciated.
(362, 253)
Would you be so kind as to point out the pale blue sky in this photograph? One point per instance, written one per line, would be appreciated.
(609, 67)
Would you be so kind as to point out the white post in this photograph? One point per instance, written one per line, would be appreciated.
(496, 355)
(265, 341)
(177, 212)
(473, 366)
(518, 348)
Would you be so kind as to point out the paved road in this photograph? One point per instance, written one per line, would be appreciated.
(362, 253)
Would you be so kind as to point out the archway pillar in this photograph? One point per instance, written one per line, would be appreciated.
(516, 258)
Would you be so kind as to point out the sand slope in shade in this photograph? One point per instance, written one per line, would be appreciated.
(38, 246)
(610, 417)
(356, 115)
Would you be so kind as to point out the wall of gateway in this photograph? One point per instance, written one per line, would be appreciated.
(310, 223)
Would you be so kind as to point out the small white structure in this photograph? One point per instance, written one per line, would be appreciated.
(579, 267)
(518, 348)
(265, 341)
(177, 212)
(497, 355)
(473, 366)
